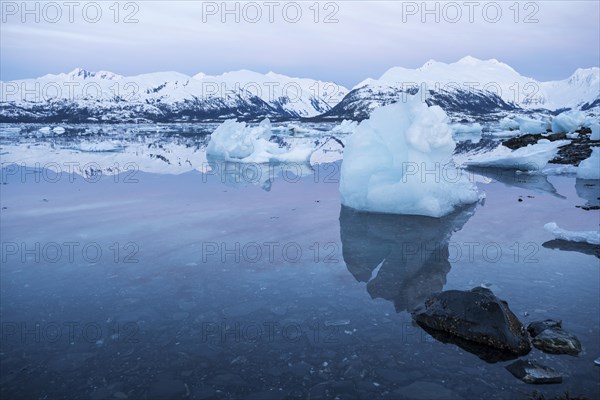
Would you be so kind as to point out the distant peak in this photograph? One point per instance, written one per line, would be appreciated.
(470, 60)
(429, 63)
(80, 72)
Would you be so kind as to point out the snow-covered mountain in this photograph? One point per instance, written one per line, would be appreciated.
(289, 96)
(81, 95)
(467, 89)
(471, 87)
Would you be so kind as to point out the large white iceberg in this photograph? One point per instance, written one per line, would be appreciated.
(590, 167)
(591, 237)
(397, 162)
(533, 157)
(568, 121)
(236, 141)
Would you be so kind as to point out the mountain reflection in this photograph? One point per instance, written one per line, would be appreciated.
(403, 258)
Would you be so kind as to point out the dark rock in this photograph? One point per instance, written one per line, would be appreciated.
(476, 316)
(556, 136)
(537, 327)
(521, 141)
(534, 373)
(557, 341)
(549, 337)
(573, 153)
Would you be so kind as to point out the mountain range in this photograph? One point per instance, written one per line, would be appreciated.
(469, 88)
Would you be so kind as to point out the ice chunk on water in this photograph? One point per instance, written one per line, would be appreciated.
(533, 157)
(528, 125)
(508, 124)
(235, 141)
(595, 131)
(464, 132)
(397, 162)
(568, 121)
(591, 237)
(347, 126)
(590, 167)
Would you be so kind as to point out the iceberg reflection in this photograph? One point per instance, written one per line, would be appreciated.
(403, 258)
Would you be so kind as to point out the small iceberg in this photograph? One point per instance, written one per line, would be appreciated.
(236, 141)
(533, 157)
(590, 167)
(568, 121)
(528, 125)
(346, 126)
(591, 237)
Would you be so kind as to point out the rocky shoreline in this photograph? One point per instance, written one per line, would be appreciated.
(573, 153)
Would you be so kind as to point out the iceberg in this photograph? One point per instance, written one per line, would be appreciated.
(346, 126)
(533, 157)
(398, 162)
(590, 167)
(568, 121)
(235, 141)
(467, 132)
(528, 125)
(507, 124)
(595, 127)
(591, 237)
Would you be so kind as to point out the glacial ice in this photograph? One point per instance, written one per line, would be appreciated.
(595, 131)
(591, 237)
(590, 167)
(464, 132)
(528, 125)
(346, 126)
(533, 157)
(397, 162)
(235, 141)
(508, 124)
(568, 121)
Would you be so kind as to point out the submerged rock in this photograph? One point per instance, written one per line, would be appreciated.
(537, 327)
(549, 337)
(534, 373)
(477, 316)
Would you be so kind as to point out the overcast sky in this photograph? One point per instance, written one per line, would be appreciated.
(543, 39)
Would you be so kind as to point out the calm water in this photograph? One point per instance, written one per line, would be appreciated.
(212, 280)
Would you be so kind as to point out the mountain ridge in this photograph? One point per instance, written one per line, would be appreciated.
(469, 87)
